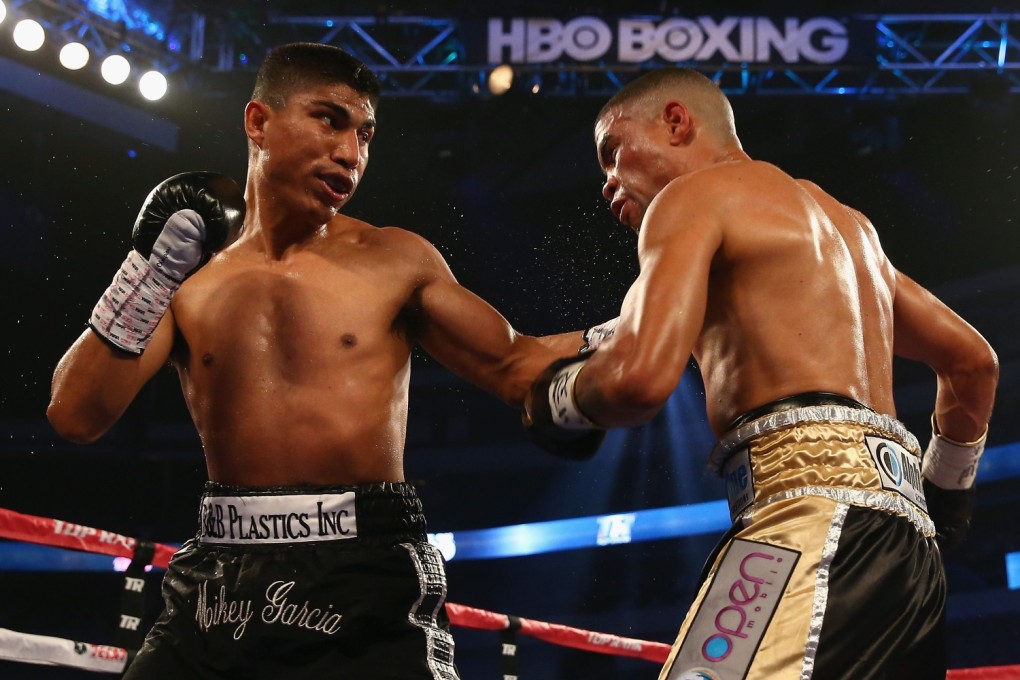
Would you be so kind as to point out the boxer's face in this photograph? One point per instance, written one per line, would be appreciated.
(631, 152)
(315, 148)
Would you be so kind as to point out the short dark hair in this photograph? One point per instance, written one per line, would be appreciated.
(667, 76)
(294, 66)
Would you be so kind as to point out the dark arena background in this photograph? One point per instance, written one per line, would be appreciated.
(912, 118)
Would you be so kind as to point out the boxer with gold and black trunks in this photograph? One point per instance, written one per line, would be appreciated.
(335, 582)
(829, 512)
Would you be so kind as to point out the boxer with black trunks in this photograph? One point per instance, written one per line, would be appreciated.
(293, 346)
(785, 298)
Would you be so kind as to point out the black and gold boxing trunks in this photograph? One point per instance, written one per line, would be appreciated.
(830, 569)
(321, 583)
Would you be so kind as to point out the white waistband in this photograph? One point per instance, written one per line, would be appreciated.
(277, 519)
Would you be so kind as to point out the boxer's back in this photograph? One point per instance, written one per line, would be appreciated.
(800, 298)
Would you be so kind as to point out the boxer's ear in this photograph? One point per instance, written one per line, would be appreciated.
(678, 118)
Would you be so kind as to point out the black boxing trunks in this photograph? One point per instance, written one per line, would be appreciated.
(301, 583)
(831, 569)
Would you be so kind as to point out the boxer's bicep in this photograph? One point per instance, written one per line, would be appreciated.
(661, 318)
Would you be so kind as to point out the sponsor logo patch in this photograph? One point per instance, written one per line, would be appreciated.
(732, 619)
(899, 470)
(739, 481)
(278, 519)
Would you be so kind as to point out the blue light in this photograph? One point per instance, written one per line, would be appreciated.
(329, 23)
(591, 532)
(31, 557)
(134, 18)
(1000, 462)
(1013, 570)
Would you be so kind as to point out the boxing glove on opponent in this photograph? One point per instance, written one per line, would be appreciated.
(551, 417)
(183, 221)
(948, 471)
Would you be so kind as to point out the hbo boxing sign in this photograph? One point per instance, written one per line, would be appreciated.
(819, 40)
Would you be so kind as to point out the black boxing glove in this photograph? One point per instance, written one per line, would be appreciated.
(950, 511)
(949, 469)
(551, 417)
(183, 221)
(219, 204)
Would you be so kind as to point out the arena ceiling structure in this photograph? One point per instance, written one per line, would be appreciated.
(449, 53)
(484, 147)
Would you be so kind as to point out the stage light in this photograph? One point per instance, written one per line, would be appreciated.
(74, 56)
(29, 35)
(3, 11)
(115, 69)
(501, 79)
(152, 85)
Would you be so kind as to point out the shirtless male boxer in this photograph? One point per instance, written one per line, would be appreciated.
(293, 350)
(793, 313)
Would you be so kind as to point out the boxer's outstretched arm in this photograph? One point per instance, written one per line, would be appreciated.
(474, 341)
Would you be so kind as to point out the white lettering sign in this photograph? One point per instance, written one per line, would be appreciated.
(129, 622)
(819, 40)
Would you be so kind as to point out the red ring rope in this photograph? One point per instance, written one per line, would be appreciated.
(55, 651)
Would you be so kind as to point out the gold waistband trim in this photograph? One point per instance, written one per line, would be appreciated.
(880, 422)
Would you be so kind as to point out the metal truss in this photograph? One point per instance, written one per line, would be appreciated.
(914, 54)
(426, 57)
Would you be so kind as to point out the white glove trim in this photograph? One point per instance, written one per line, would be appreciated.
(565, 412)
(129, 310)
(951, 464)
(596, 335)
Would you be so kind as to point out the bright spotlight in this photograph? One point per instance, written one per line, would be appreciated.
(501, 78)
(74, 56)
(115, 69)
(28, 35)
(3, 11)
(152, 85)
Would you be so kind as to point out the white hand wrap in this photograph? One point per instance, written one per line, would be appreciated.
(564, 409)
(132, 306)
(596, 335)
(951, 464)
